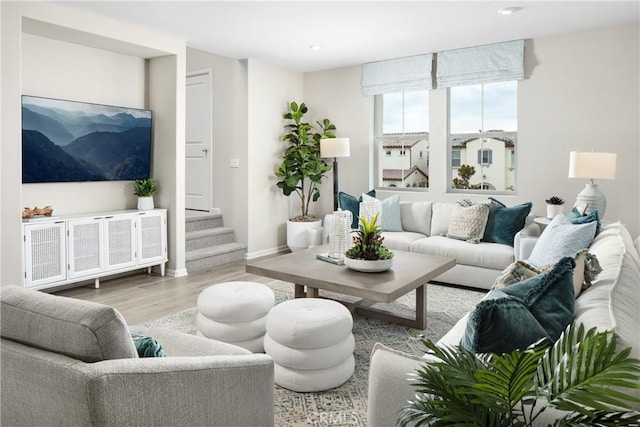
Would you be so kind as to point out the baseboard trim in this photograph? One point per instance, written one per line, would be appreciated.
(266, 252)
(181, 272)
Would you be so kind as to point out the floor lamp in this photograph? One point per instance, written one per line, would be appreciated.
(334, 147)
(592, 166)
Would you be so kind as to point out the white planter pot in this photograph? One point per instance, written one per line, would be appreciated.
(297, 235)
(554, 210)
(367, 266)
(145, 203)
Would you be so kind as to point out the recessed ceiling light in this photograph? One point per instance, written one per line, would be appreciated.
(315, 47)
(508, 10)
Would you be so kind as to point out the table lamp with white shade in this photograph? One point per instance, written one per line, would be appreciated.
(334, 147)
(592, 166)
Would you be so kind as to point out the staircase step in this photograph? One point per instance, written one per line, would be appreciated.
(203, 221)
(201, 259)
(201, 239)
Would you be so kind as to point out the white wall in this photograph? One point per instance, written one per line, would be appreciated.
(270, 89)
(69, 25)
(55, 69)
(581, 93)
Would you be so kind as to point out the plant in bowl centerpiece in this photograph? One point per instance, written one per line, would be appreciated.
(145, 189)
(302, 169)
(554, 206)
(368, 254)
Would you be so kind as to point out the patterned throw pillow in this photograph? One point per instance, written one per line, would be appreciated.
(585, 272)
(468, 223)
(561, 238)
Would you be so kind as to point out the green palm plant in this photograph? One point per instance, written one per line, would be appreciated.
(367, 243)
(512, 389)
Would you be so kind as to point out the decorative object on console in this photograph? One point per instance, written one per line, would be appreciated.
(340, 234)
(568, 376)
(592, 166)
(47, 211)
(368, 254)
(554, 206)
(145, 189)
(334, 147)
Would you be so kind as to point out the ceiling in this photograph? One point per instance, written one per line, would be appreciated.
(355, 32)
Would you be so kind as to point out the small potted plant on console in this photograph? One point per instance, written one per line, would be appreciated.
(368, 254)
(145, 189)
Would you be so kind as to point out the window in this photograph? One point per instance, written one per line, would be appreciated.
(483, 120)
(455, 158)
(402, 139)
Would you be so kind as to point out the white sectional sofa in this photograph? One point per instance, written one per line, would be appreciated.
(611, 303)
(425, 225)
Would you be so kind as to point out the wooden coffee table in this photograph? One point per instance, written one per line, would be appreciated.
(410, 271)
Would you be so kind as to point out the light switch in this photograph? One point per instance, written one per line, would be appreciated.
(234, 163)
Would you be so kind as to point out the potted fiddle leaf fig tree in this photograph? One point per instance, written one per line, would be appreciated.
(302, 169)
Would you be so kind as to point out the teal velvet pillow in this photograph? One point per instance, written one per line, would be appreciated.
(575, 218)
(519, 315)
(347, 202)
(147, 346)
(504, 222)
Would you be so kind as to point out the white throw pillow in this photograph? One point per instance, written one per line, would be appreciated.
(390, 214)
(561, 238)
(440, 218)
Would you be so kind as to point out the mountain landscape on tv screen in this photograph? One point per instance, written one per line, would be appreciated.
(66, 141)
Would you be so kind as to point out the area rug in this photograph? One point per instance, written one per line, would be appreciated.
(347, 405)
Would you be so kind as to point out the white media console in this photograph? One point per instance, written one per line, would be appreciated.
(77, 248)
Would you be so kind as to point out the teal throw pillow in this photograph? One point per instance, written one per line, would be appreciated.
(517, 316)
(504, 222)
(559, 239)
(147, 346)
(389, 212)
(575, 218)
(348, 202)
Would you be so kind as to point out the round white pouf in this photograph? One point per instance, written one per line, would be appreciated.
(311, 344)
(236, 313)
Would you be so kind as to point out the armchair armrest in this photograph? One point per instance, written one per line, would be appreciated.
(525, 240)
(210, 390)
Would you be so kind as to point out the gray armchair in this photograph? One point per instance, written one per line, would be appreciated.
(67, 362)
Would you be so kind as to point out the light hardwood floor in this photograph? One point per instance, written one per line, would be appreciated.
(141, 297)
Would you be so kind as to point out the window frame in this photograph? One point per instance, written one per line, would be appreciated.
(481, 135)
(379, 151)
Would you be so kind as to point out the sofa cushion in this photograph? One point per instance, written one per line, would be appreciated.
(400, 240)
(559, 239)
(441, 212)
(352, 204)
(468, 222)
(390, 218)
(613, 300)
(489, 255)
(575, 218)
(504, 222)
(517, 316)
(416, 217)
(83, 330)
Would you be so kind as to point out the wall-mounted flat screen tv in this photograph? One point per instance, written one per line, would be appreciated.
(69, 141)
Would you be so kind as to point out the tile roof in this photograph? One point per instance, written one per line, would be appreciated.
(396, 143)
(400, 174)
(509, 138)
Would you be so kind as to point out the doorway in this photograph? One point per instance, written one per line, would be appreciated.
(199, 141)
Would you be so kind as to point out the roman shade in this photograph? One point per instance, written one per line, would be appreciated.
(397, 75)
(481, 64)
